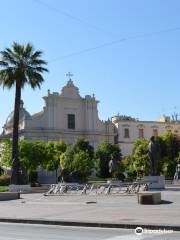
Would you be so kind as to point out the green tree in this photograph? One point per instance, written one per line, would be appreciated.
(83, 164)
(66, 159)
(54, 151)
(170, 149)
(84, 151)
(33, 154)
(20, 65)
(141, 162)
(104, 152)
(83, 145)
(138, 163)
(128, 167)
(6, 160)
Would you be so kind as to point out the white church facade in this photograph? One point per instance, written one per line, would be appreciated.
(66, 116)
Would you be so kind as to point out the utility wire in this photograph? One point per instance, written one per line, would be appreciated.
(146, 35)
(88, 50)
(74, 18)
(106, 44)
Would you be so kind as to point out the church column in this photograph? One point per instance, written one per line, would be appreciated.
(55, 113)
(88, 115)
(95, 113)
(50, 113)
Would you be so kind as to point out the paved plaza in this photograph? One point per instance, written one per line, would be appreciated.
(112, 209)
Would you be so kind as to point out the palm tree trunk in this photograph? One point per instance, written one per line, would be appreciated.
(15, 155)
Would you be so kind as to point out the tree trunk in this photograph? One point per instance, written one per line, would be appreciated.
(56, 176)
(15, 155)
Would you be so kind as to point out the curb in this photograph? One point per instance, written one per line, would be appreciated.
(91, 224)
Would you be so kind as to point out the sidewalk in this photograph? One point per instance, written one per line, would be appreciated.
(104, 211)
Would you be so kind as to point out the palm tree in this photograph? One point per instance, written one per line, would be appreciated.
(20, 65)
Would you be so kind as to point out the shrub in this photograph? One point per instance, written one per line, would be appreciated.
(33, 177)
(5, 180)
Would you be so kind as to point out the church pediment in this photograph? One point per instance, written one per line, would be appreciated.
(70, 90)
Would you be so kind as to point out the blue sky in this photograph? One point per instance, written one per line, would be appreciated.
(136, 73)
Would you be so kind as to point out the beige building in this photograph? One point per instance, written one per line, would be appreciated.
(129, 130)
(65, 116)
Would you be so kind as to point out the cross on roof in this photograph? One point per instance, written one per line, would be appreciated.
(69, 75)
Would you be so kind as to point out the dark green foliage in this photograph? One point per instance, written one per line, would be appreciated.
(170, 150)
(21, 64)
(79, 158)
(4, 180)
(83, 145)
(50, 155)
(138, 163)
(34, 154)
(128, 167)
(1, 171)
(104, 153)
(33, 177)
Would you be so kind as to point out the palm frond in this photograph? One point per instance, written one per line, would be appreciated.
(28, 50)
(35, 62)
(40, 69)
(3, 64)
(22, 64)
(35, 80)
(7, 77)
(36, 54)
(7, 56)
(18, 48)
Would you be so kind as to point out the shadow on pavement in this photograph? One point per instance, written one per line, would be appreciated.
(166, 202)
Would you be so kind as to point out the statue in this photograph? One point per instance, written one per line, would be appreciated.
(152, 152)
(177, 173)
(112, 165)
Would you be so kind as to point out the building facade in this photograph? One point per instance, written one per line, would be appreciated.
(129, 130)
(66, 116)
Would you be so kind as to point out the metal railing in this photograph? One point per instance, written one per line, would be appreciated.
(96, 189)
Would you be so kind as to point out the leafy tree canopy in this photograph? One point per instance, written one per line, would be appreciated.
(104, 152)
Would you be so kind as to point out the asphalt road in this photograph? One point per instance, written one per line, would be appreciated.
(41, 232)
